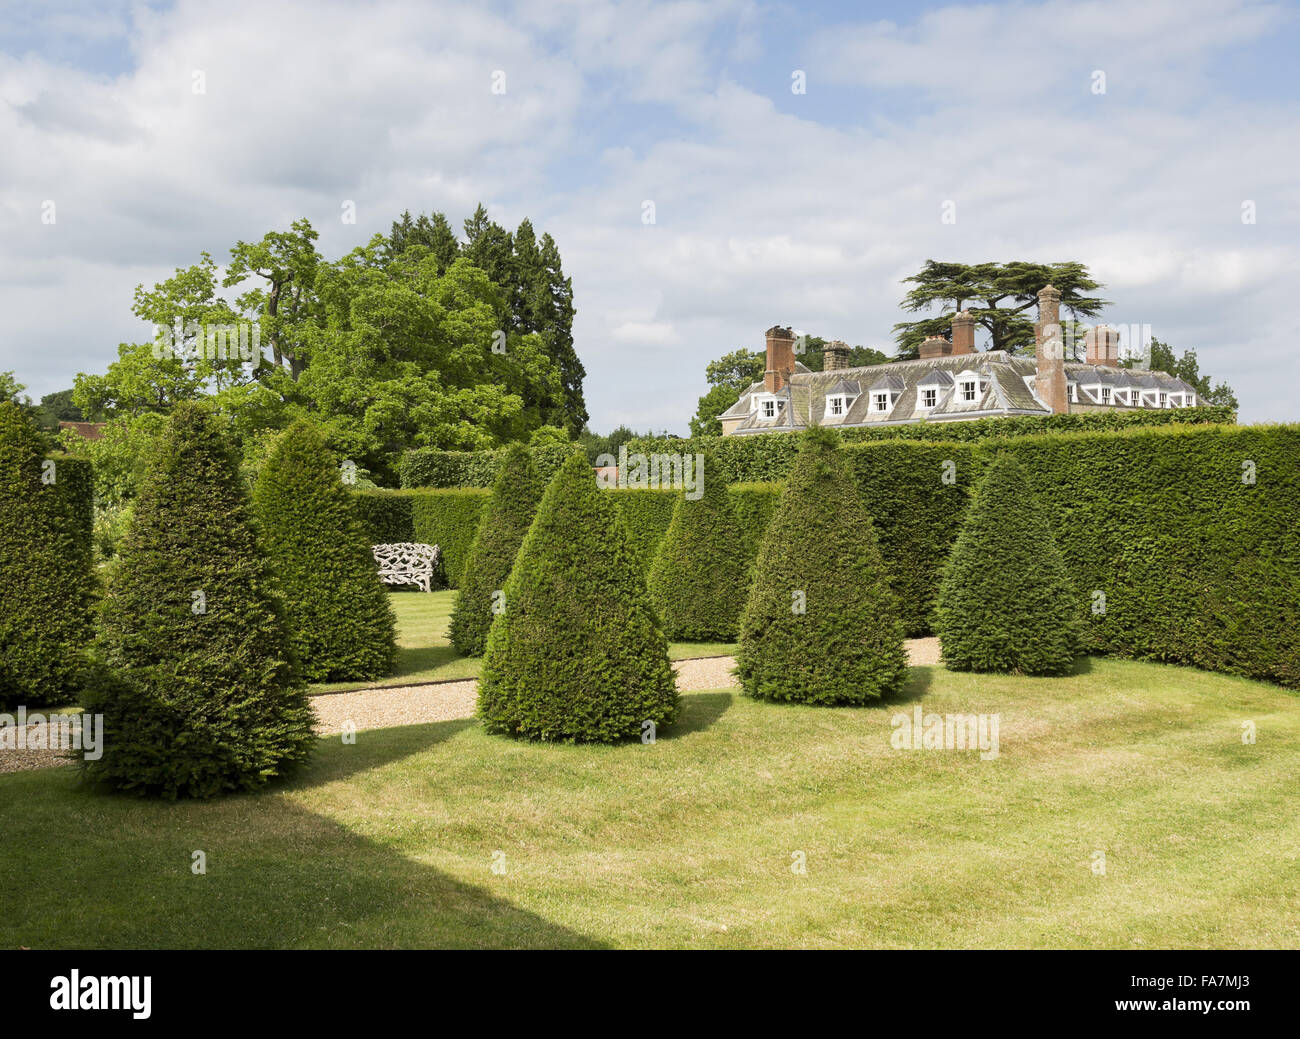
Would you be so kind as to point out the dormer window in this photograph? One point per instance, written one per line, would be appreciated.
(1105, 394)
(836, 405)
(1164, 400)
(767, 407)
(968, 389)
(1074, 393)
(929, 397)
(880, 402)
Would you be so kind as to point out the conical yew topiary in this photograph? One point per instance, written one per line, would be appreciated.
(700, 575)
(575, 655)
(341, 626)
(45, 582)
(204, 695)
(820, 625)
(1005, 599)
(506, 518)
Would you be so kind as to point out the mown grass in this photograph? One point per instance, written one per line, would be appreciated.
(425, 653)
(689, 841)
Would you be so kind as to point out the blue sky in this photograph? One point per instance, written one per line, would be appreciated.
(772, 207)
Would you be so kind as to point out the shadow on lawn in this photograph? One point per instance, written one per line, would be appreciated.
(277, 875)
(371, 753)
(699, 711)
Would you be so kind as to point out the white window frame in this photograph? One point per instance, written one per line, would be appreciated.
(970, 390)
(1162, 400)
(766, 407)
(835, 405)
(925, 392)
(877, 406)
(1106, 395)
(1074, 393)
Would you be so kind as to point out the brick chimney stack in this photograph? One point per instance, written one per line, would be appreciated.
(963, 333)
(1102, 344)
(835, 356)
(1050, 351)
(780, 358)
(935, 346)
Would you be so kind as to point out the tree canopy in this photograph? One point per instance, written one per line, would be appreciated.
(1002, 297)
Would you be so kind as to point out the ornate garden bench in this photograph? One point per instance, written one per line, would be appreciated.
(406, 562)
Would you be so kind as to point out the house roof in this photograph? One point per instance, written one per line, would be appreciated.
(1007, 381)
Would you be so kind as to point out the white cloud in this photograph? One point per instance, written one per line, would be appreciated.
(800, 211)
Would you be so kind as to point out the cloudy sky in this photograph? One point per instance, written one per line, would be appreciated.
(770, 206)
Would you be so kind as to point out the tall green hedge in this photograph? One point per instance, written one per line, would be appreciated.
(916, 494)
(576, 655)
(501, 531)
(448, 519)
(341, 626)
(1174, 553)
(430, 467)
(768, 456)
(201, 694)
(47, 581)
(820, 625)
(385, 516)
(1005, 602)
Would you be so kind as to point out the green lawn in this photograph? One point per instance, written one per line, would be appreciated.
(424, 654)
(688, 842)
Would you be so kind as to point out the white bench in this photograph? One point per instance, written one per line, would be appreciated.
(406, 562)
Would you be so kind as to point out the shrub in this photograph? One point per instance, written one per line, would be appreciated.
(1005, 601)
(204, 696)
(820, 625)
(576, 655)
(501, 531)
(341, 627)
(916, 494)
(700, 575)
(47, 580)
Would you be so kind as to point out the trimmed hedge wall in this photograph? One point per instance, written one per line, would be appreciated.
(449, 518)
(430, 467)
(768, 456)
(47, 577)
(1197, 566)
(916, 494)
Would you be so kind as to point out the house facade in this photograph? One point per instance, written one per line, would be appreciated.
(950, 382)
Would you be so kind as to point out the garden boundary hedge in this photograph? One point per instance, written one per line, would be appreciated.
(430, 467)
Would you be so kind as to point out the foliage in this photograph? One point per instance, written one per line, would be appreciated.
(427, 467)
(505, 521)
(340, 623)
(699, 578)
(916, 494)
(448, 519)
(821, 625)
(1188, 369)
(200, 693)
(1183, 543)
(576, 655)
(47, 582)
(1005, 602)
(997, 296)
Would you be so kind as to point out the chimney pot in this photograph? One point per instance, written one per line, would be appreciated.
(835, 356)
(935, 346)
(963, 333)
(780, 358)
(1102, 343)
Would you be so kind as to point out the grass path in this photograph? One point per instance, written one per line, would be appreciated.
(688, 842)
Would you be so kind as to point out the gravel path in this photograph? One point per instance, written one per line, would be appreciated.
(443, 701)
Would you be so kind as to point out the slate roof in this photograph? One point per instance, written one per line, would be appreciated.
(1005, 387)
